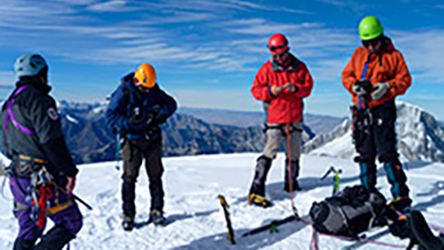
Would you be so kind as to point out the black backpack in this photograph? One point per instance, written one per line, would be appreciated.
(352, 211)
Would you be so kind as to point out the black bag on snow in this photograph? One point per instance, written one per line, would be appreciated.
(349, 213)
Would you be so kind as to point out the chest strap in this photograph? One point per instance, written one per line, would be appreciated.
(10, 114)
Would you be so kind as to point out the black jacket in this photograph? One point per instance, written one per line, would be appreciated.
(34, 109)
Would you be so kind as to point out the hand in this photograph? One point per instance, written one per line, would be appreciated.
(291, 87)
(275, 90)
(379, 90)
(70, 185)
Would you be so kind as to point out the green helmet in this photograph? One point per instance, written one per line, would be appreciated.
(369, 28)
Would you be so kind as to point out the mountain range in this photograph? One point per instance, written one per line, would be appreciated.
(318, 124)
(91, 140)
(193, 131)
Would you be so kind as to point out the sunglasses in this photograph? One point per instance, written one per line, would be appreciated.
(281, 54)
(274, 48)
(372, 42)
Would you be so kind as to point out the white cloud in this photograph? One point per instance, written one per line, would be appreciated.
(111, 6)
(141, 38)
(238, 45)
(76, 2)
(268, 8)
(218, 5)
(7, 79)
(423, 50)
(175, 16)
(264, 27)
(23, 13)
(356, 6)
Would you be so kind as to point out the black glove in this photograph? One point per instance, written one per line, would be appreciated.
(139, 122)
(362, 87)
(160, 118)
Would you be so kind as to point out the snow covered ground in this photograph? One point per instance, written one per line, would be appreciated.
(195, 217)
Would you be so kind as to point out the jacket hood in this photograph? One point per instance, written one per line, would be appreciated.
(388, 44)
(127, 81)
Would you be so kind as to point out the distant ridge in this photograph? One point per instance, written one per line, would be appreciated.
(317, 123)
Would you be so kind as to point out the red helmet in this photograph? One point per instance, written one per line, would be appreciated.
(277, 43)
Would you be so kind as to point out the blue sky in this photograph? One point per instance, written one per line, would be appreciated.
(206, 53)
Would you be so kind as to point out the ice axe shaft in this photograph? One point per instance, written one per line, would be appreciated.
(332, 169)
(82, 201)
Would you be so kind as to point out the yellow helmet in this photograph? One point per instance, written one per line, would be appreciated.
(145, 75)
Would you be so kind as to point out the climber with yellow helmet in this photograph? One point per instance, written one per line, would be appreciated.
(136, 109)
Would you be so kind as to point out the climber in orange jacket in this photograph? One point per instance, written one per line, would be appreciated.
(374, 76)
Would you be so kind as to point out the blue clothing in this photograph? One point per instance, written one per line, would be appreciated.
(127, 100)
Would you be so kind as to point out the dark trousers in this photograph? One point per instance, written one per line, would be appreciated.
(374, 136)
(133, 153)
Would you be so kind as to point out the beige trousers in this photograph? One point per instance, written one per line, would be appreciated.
(276, 133)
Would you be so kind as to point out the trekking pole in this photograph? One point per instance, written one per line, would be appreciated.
(119, 146)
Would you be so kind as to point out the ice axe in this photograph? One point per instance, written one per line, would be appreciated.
(336, 172)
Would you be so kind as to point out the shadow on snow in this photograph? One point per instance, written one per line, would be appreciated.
(275, 190)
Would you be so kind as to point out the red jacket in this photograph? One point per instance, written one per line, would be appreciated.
(287, 107)
(388, 67)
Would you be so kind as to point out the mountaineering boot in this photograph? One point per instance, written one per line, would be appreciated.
(258, 200)
(21, 244)
(263, 165)
(401, 204)
(157, 218)
(294, 167)
(55, 239)
(397, 180)
(128, 223)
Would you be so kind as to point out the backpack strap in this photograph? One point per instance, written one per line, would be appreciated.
(374, 215)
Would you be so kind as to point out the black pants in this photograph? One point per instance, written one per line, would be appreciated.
(133, 153)
(374, 136)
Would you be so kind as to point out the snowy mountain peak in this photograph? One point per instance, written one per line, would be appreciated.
(420, 137)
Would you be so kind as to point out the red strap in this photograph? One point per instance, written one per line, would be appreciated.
(45, 193)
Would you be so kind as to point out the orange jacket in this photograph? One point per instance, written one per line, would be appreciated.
(287, 107)
(388, 67)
